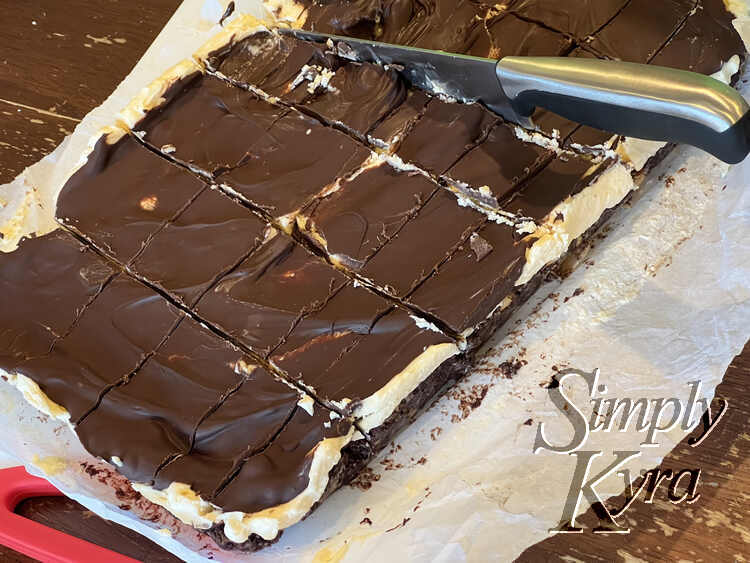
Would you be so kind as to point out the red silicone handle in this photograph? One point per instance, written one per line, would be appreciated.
(34, 539)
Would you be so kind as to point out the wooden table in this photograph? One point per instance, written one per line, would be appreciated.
(60, 60)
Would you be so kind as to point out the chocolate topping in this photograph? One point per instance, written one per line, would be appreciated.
(421, 245)
(272, 62)
(297, 160)
(364, 213)
(469, 286)
(124, 324)
(245, 422)
(390, 132)
(259, 302)
(578, 18)
(512, 36)
(281, 471)
(358, 97)
(200, 115)
(449, 25)
(184, 258)
(332, 350)
(655, 23)
(500, 162)
(46, 283)
(445, 133)
(123, 195)
(707, 40)
(351, 18)
(152, 417)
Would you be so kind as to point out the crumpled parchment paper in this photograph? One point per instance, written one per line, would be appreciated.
(660, 302)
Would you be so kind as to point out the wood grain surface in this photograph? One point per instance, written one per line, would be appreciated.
(58, 60)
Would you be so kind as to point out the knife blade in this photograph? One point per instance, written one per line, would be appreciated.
(642, 101)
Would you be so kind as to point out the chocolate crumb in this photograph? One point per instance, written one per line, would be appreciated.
(509, 368)
(366, 520)
(481, 247)
(529, 422)
(422, 460)
(669, 182)
(401, 525)
(365, 479)
(435, 432)
(559, 217)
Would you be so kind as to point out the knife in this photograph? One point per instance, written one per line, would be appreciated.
(635, 100)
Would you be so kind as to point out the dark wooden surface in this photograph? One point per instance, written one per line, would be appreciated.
(58, 60)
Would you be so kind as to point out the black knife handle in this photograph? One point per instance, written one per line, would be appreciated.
(642, 101)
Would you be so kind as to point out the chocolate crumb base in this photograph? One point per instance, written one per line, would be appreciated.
(354, 457)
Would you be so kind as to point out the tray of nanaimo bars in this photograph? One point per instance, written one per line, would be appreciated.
(242, 291)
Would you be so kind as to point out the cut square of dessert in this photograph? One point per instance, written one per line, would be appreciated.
(476, 282)
(330, 352)
(272, 64)
(705, 43)
(297, 160)
(444, 133)
(123, 194)
(115, 334)
(508, 35)
(656, 23)
(259, 302)
(420, 246)
(46, 284)
(152, 417)
(489, 172)
(364, 212)
(578, 19)
(184, 259)
(206, 123)
(448, 25)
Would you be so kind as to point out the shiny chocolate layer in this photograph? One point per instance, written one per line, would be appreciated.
(259, 302)
(332, 350)
(364, 213)
(655, 23)
(421, 245)
(577, 18)
(358, 97)
(246, 421)
(207, 123)
(706, 41)
(297, 160)
(281, 471)
(153, 416)
(272, 63)
(394, 127)
(192, 252)
(509, 35)
(501, 162)
(444, 133)
(46, 284)
(122, 195)
(448, 25)
(478, 276)
(352, 18)
(115, 334)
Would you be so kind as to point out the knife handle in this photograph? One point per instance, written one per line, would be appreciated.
(643, 101)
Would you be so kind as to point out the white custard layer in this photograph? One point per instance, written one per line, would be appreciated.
(185, 504)
(579, 212)
(36, 397)
(375, 409)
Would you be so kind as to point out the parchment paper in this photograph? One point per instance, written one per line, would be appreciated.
(661, 301)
